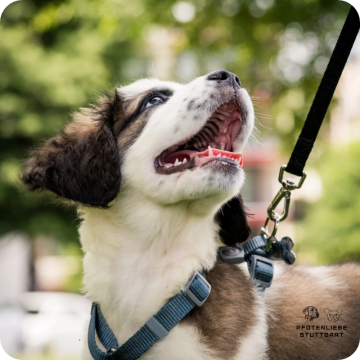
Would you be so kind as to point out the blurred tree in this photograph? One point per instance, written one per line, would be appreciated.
(55, 55)
(332, 226)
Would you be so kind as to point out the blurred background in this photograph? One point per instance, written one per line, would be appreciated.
(56, 56)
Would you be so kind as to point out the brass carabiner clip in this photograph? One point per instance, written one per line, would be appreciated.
(282, 194)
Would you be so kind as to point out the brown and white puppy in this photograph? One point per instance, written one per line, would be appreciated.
(154, 201)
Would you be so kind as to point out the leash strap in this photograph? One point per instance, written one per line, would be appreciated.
(324, 94)
(195, 294)
(307, 138)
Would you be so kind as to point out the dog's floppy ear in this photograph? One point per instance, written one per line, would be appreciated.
(306, 311)
(234, 227)
(326, 311)
(82, 163)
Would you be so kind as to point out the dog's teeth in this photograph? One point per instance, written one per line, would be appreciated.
(210, 151)
(177, 162)
(218, 155)
(185, 161)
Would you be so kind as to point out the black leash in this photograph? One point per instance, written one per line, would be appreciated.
(324, 94)
(259, 250)
(312, 124)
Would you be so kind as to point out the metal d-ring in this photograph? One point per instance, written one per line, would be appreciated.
(289, 184)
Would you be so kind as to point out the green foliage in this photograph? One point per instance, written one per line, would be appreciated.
(56, 55)
(332, 225)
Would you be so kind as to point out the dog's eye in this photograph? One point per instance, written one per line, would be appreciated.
(154, 101)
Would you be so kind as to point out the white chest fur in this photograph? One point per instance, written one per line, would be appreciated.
(131, 273)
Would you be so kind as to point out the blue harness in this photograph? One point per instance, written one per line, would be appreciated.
(195, 293)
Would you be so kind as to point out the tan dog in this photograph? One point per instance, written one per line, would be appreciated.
(311, 313)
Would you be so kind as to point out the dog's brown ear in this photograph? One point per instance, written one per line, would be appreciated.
(82, 163)
(306, 311)
(232, 219)
(326, 311)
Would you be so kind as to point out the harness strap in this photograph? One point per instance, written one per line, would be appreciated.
(324, 94)
(195, 294)
(261, 267)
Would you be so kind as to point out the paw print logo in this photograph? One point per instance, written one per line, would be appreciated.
(4, 4)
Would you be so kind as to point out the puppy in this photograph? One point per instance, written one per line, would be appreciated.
(311, 313)
(333, 315)
(155, 171)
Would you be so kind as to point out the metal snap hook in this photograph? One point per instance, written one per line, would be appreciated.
(282, 194)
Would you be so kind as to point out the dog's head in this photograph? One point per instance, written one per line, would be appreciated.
(311, 313)
(333, 315)
(169, 142)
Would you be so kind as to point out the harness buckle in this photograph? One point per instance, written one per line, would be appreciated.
(231, 255)
(197, 290)
(261, 270)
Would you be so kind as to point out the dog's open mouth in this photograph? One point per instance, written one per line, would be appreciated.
(213, 143)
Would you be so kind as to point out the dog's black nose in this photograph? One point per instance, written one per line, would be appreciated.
(224, 75)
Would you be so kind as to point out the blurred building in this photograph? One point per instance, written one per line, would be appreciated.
(34, 322)
(260, 165)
